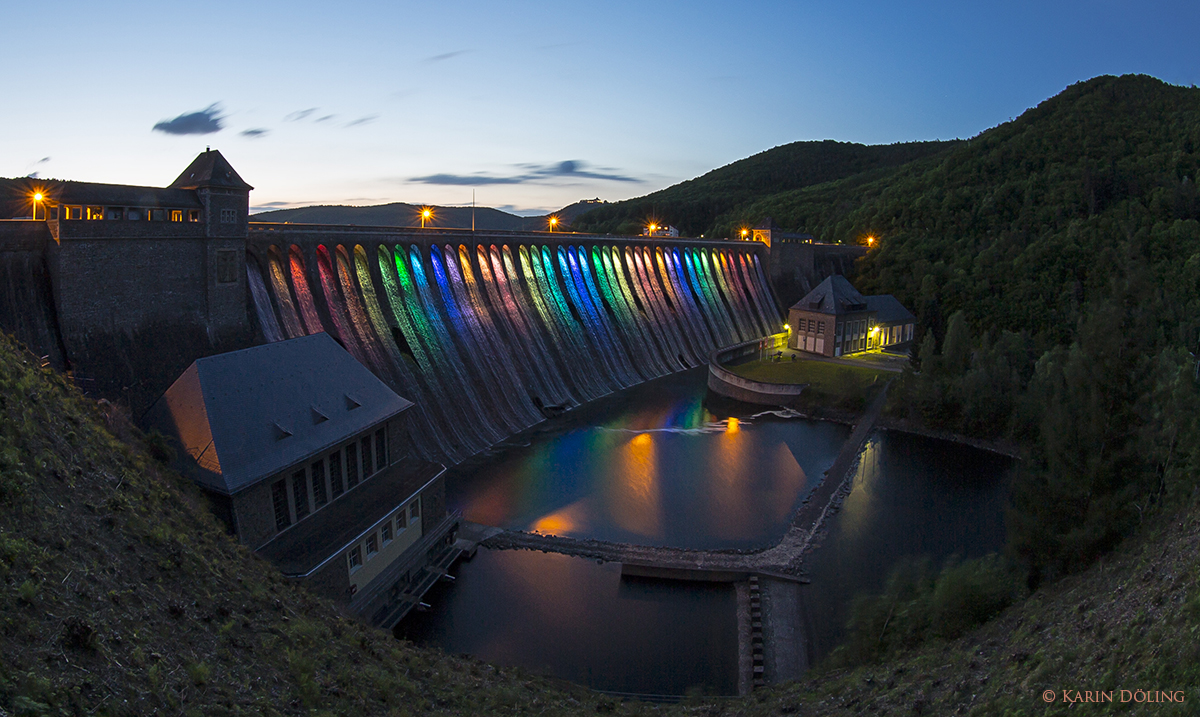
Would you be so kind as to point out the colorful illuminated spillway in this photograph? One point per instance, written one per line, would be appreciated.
(489, 339)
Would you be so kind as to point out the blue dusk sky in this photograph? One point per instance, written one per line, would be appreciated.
(534, 105)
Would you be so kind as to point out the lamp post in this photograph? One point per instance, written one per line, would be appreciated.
(652, 228)
(744, 233)
(426, 214)
(37, 198)
(553, 221)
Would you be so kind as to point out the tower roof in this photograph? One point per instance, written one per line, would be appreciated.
(835, 295)
(210, 169)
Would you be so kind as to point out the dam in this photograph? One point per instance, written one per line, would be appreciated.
(490, 334)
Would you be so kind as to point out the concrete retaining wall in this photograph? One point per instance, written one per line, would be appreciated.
(726, 383)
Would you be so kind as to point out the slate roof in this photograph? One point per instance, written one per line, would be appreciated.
(888, 310)
(835, 295)
(210, 169)
(243, 416)
(121, 195)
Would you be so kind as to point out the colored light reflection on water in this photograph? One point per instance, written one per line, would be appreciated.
(653, 465)
(578, 620)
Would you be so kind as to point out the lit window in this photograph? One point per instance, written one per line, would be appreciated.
(73, 213)
(355, 558)
(386, 532)
(176, 215)
(95, 213)
(193, 215)
(372, 545)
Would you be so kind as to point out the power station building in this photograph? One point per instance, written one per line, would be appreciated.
(304, 454)
(835, 320)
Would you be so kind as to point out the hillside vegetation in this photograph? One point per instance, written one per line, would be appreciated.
(696, 206)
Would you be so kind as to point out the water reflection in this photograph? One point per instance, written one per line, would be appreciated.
(653, 465)
(912, 496)
(580, 621)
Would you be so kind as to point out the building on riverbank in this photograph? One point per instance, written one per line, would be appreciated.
(834, 319)
(303, 453)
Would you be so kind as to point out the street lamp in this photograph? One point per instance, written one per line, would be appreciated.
(37, 197)
(653, 228)
(426, 215)
(744, 233)
(553, 221)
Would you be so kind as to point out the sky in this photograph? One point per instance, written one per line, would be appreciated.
(532, 105)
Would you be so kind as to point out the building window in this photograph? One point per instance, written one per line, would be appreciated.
(156, 215)
(73, 213)
(335, 473)
(414, 510)
(300, 494)
(176, 215)
(351, 465)
(94, 213)
(226, 266)
(133, 215)
(228, 216)
(115, 213)
(386, 532)
(320, 497)
(380, 450)
(368, 469)
(355, 558)
(820, 327)
(401, 519)
(279, 500)
(193, 215)
(372, 545)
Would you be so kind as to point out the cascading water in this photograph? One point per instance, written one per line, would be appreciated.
(486, 339)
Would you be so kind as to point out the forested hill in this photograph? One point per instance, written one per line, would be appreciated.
(695, 205)
(399, 214)
(1054, 266)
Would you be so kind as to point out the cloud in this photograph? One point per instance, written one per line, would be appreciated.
(532, 173)
(362, 120)
(255, 133)
(33, 175)
(446, 56)
(205, 121)
(43, 160)
(299, 115)
(326, 118)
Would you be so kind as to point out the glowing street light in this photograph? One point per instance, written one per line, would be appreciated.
(37, 197)
(870, 241)
(553, 222)
(745, 232)
(652, 228)
(426, 215)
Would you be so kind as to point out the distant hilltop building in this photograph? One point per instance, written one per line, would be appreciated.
(654, 230)
(304, 453)
(835, 320)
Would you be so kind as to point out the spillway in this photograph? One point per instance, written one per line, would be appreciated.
(488, 338)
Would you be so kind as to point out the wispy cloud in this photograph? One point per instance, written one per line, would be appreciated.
(446, 56)
(530, 173)
(299, 115)
(326, 118)
(255, 132)
(362, 120)
(205, 121)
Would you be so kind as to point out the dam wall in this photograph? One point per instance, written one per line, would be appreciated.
(491, 332)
